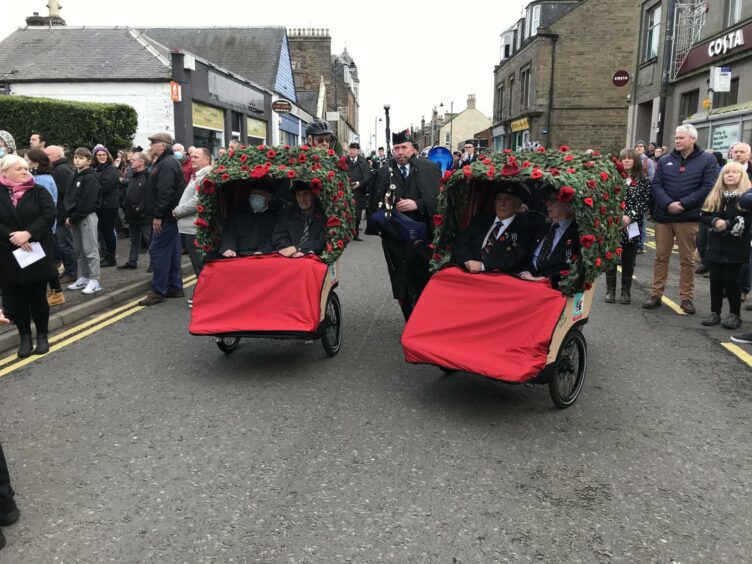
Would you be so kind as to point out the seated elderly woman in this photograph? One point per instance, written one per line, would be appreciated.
(249, 230)
(300, 227)
(556, 243)
(501, 241)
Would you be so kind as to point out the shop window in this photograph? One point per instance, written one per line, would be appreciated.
(722, 99)
(652, 32)
(689, 103)
(733, 11)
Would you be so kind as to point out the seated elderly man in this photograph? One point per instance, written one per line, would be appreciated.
(300, 227)
(249, 230)
(555, 245)
(498, 242)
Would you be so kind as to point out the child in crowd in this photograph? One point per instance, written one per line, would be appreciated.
(81, 217)
(726, 212)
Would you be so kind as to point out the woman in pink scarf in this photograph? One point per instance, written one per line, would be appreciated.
(27, 213)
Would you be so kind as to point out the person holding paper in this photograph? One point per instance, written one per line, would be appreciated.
(27, 213)
(636, 197)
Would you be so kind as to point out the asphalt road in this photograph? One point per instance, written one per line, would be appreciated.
(141, 443)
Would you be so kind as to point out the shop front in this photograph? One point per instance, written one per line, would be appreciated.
(208, 127)
(520, 129)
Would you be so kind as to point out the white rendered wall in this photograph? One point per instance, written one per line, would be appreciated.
(151, 100)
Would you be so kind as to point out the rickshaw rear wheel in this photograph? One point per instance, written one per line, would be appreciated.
(227, 344)
(569, 371)
(331, 336)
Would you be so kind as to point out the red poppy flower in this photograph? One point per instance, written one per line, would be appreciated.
(220, 168)
(341, 194)
(507, 151)
(244, 168)
(316, 183)
(588, 202)
(261, 147)
(513, 160)
(243, 158)
(566, 194)
(596, 153)
(623, 175)
(591, 184)
(201, 223)
(259, 171)
(569, 158)
(200, 208)
(342, 163)
(633, 183)
(563, 273)
(331, 174)
(509, 170)
(225, 177)
(596, 223)
(598, 262)
(196, 243)
(286, 147)
(571, 170)
(617, 190)
(438, 220)
(603, 210)
(302, 158)
(604, 176)
(329, 247)
(587, 241)
(208, 187)
(340, 244)
(486, 161)
(526, 164)
(291, 174)
(609, 255)
(490, 172)
(436, 257)
(282, 167)
(304, 147)
(466, 171)
(541, 149)
(536, 174)
(554, 171)
(271, 153)
(619, 251)
(330, 152)
(340, 184)
(315, 158)
(564, 149)
(268, 164)
(588, 285)
(589, 164)
(291, 161)
(231, 153)
(623, 205)
(333, 222)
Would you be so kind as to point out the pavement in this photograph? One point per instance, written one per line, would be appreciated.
(119, 286)
(135, 442)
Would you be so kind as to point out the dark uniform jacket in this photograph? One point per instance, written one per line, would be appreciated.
(359, 172)
(61, 174)
(109, 180)
(408, 265)
(509, 253)
(81, 195)
(725, 247)
(134, 205)
(35, 213)
(561, 255)
(166, 185)
(289, 230)
(249, 232)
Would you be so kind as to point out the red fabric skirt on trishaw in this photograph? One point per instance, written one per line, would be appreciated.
(495, 325)
(262, 293)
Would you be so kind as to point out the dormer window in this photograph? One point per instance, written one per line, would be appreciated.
(533, 20)
(507, 44)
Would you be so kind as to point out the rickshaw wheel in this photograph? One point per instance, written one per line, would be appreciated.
(569, 371)
(227, 344)
(331, 336)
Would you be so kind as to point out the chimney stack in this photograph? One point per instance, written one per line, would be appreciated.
(471, 101)
(53, 19)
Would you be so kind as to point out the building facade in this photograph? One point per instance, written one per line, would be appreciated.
(556, 85)
(451, 130)
(701, 74)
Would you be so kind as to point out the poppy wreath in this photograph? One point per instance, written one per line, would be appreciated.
(590, 181)
(321, 169)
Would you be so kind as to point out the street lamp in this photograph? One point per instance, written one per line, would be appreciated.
(376, 121)
(388, 133)
(451, 123)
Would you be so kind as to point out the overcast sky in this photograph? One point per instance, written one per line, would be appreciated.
(413, 56)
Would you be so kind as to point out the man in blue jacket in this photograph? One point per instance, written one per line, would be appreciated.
(682, 182)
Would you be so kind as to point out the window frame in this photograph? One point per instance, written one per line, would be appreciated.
(733, 11)
(525, 81)
(684, 99)
(652, 35)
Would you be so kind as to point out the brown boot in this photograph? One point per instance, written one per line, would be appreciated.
(152, 298)
(652, 302)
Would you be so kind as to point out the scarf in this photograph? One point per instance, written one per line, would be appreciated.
(17, 189)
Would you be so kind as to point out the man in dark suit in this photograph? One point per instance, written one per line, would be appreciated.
(360, 178)
(501, 241)
(300, 227)
(469, 156)
(414, 187)
(555, 245)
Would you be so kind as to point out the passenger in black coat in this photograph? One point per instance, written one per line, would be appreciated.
(416, 197)
(251, 228)
(565, 244)
(288, 238)
(360, 174)
(27, 212)
(499, 242)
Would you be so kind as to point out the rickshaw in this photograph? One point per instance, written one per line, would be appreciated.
(272, 296)
(498, 325)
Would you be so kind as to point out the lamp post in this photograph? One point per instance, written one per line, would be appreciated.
(451, 124)
(388, 133)
(376, 121)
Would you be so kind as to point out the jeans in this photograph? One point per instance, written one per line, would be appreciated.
(87, 246)
(189, 245)
(165, 251)
(643, 232)
(25, 303)
(724, 280)
(138, 232)
(65, 240)
(107, 217)
(685, 233)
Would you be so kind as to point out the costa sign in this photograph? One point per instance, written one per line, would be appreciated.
(621, 78)
(724, 44)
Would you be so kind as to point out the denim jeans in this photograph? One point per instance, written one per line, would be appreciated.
(138, 232)
(64, 238)
(165, 251)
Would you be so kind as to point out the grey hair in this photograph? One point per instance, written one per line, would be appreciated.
(689, 129)
(9, 160)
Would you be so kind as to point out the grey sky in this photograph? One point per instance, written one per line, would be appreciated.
(411, 55)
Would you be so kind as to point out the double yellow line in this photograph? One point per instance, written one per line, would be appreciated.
(80, 331)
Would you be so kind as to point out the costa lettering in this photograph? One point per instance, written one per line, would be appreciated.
(724, 44)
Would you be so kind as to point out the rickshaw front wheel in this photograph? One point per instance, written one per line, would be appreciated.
(569, 371)
(227, 344)
(331, 336)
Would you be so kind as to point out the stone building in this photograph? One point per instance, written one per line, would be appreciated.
(556, 79)
(675, 82)
(451, 130)
(317, 69)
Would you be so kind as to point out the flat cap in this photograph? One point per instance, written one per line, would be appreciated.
(162, 137)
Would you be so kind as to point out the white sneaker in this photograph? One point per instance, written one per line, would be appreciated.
(92, 287)
(79, 284)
